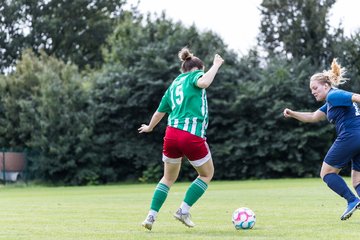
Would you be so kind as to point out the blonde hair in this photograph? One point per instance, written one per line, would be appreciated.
(334, 77)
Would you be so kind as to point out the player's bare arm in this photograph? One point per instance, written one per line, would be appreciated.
(308, 117)
(206, 80)
(356, 98)
(155, 119)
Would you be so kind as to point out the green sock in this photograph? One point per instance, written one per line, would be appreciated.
(159, 197)
(195, 191)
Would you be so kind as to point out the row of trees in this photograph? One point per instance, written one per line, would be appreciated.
(79, 119)
(70, 30)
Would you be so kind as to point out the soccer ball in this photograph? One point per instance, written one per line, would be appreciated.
(243, 218)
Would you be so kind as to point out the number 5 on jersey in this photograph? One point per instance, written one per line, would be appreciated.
(178, 98)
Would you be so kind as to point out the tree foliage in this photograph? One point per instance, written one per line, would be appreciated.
(299, 29)
(346, 51)
(71, 30)
(45, 110)
(261, 143)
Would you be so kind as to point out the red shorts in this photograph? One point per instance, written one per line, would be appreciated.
(179, 143)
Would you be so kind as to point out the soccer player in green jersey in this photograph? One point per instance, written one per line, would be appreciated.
(185, 102)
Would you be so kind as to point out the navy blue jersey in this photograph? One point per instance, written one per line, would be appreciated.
(341, 111)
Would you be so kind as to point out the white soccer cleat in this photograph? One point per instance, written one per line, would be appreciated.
(148, 222)
(184, 218)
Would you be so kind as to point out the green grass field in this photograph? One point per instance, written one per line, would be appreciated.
(285, 209)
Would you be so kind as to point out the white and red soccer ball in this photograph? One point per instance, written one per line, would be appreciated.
(243, 218)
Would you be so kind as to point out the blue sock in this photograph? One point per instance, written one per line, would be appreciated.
(338, 185)
(357, 188)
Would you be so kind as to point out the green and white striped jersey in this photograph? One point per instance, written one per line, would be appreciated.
(186, 104)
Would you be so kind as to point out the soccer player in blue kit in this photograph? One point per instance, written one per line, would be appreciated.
(341, 108)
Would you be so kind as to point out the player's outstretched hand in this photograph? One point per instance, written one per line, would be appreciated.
(144, 128)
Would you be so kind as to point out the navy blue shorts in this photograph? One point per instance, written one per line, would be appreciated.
(346, 148)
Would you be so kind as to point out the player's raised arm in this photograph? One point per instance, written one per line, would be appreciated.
(206, 80)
